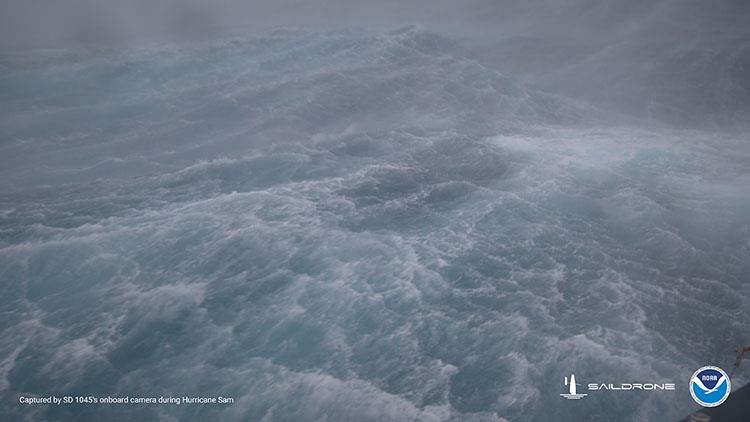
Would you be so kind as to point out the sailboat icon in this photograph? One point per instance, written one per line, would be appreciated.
(572, 394)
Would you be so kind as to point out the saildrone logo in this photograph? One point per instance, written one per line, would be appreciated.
(572, 393)
(710, 386)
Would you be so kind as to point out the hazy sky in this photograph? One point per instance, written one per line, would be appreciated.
(34, 23)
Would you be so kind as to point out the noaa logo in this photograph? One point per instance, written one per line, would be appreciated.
(710, 386)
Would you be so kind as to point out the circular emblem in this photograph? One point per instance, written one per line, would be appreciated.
(710, 386)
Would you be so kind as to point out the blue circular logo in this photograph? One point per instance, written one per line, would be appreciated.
(710, 386)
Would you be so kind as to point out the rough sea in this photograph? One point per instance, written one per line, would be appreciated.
(353, 226)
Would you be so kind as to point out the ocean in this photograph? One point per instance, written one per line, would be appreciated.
(353, 225)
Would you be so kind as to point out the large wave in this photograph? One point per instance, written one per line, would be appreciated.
(352, 226)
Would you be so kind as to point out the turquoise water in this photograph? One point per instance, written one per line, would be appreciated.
(353, 226)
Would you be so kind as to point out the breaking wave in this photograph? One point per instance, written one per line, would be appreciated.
(352, 226)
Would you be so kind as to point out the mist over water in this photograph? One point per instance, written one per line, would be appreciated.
(371, 223)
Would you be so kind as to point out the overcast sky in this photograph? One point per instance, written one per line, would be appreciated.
(43, 23)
